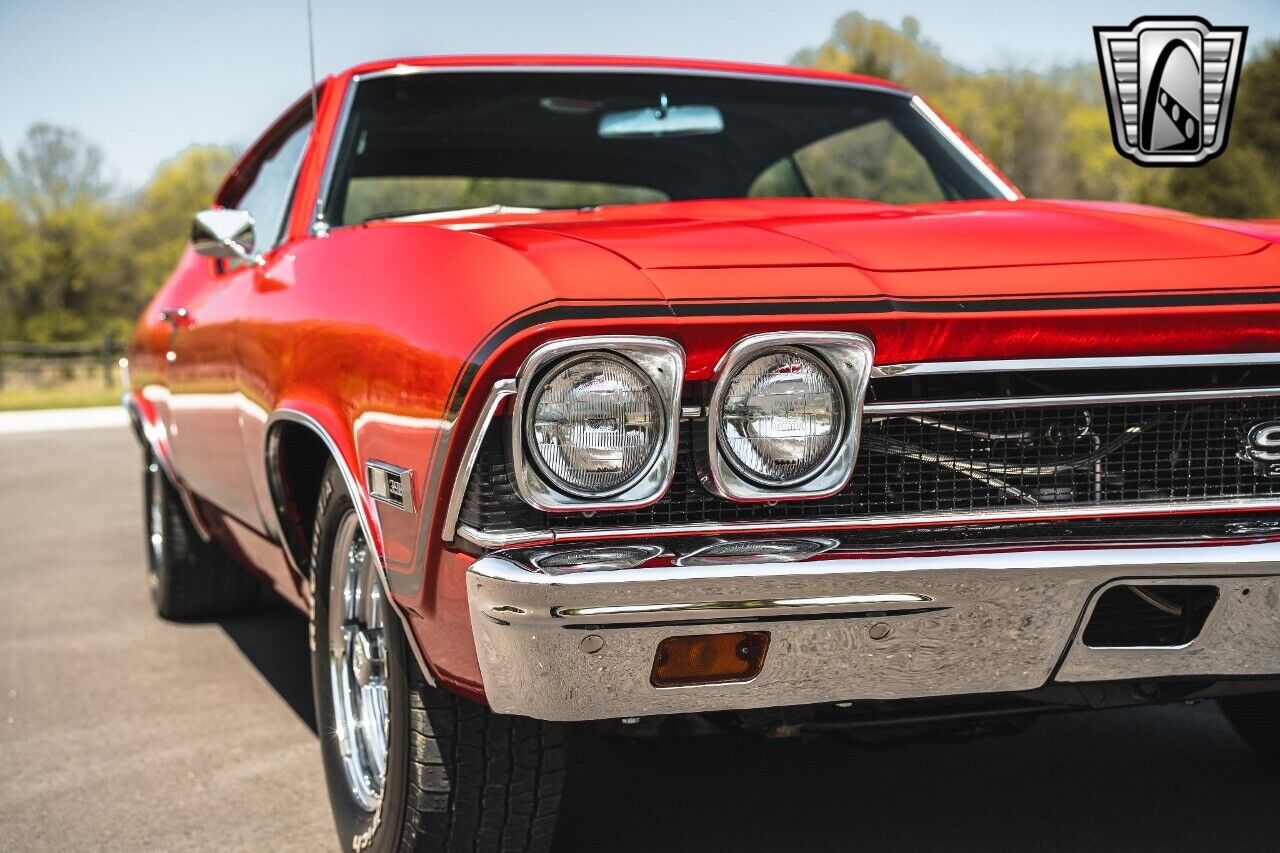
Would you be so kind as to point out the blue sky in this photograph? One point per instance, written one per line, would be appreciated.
(145, 78)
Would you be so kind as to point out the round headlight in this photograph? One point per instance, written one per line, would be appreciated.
(594, 425)
(781, 417)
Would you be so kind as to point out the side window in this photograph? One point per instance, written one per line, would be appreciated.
(873, 161)
(270, 191)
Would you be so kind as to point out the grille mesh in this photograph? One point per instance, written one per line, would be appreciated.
(958, 461)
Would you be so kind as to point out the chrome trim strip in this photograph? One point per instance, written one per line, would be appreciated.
(926, 368)
(1066, 400)
(367, 519)
(494, 541)
(965, 151)
(502, 389)
(744, 609)
(486, 541)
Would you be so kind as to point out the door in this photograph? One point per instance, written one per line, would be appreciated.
(208, 412)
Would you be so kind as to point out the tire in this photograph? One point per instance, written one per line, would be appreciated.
(455, 775)
(189, 578)
(1256, 717)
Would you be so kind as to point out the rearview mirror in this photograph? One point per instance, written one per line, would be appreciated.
(224, 234)
(664, 120)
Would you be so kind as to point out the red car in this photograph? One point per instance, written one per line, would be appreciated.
(687, 397)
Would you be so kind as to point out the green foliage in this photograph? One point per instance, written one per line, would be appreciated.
(77, 262)
(1245, 181)
(161, 215)
(1050, 132)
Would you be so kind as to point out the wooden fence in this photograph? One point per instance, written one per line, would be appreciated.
(25, 365)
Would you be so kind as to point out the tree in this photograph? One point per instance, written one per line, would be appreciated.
(1051, 133)
(68, 274)
(1242, 181)
(160, 216)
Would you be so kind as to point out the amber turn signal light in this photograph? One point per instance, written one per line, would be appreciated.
(709, 658)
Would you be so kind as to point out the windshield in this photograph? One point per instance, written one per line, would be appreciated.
(421, 144)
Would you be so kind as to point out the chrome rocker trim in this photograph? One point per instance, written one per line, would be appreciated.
(995, 621)
(148, 435)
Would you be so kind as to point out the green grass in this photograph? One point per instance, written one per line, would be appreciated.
(58, 397)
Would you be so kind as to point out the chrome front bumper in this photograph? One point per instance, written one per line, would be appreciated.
(580, 646)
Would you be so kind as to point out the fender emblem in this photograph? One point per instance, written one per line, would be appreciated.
(390, 484)
(1262, 448)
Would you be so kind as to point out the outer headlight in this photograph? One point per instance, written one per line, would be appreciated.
(595, 421)
(786, 414)
(781, 417)
(593, 425)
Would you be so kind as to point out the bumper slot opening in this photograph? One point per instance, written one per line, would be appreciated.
(1153, 615)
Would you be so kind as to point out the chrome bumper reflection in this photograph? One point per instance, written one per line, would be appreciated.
(981, 622)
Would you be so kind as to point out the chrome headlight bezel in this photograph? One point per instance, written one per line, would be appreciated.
(848, 357)
(660, 361)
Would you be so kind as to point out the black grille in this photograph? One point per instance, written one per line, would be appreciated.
(955, 462)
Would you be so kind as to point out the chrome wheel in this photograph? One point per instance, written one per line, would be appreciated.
(357, 663)
(155, 522)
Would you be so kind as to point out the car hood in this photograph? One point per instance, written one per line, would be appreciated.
(893, 238)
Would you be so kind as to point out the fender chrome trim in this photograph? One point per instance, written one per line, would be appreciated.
(501, 390)
(368, 520)
(925, 368)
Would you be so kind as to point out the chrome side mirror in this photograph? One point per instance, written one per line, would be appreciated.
(225, 234)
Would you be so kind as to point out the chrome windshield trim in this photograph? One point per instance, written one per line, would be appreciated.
(965, 151)
(496, 541)
(319, 224)
(928, 368)
(502, 389)
(1054, 401)
(406, 69)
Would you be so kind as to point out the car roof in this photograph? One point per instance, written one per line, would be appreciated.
(647, 63)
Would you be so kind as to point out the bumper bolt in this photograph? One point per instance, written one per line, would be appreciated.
(878, 631)
(591, 644)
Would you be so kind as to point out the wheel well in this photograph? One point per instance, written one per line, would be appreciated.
(296, 459)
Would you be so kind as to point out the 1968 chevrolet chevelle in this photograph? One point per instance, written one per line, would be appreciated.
(679, 397)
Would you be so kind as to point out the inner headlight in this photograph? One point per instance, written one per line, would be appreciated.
(781, 418)
(594, 425)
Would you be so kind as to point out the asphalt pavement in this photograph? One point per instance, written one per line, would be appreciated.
(120, 731)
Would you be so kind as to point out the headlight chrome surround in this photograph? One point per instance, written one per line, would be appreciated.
(658, 360)
(848, 357)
